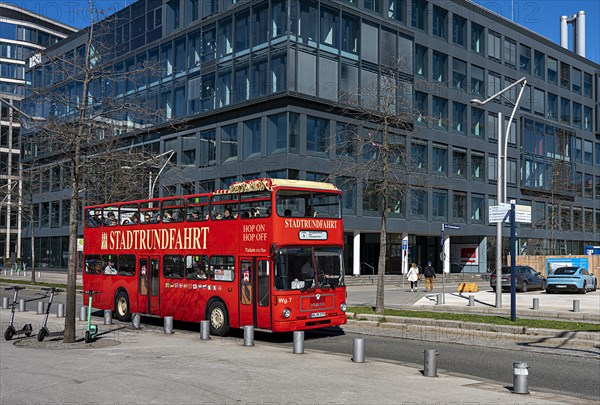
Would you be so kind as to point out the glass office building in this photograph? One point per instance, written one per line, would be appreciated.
(258, 86)
(22, 33)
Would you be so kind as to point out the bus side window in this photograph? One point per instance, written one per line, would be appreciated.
(93, 264)
(126, 265)
(173, 266)
(196, 267)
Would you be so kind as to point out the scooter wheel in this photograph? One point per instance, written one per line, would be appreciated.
(41, 335)
(9, 333)
(88, 337)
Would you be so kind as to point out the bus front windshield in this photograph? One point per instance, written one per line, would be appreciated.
(300, 268)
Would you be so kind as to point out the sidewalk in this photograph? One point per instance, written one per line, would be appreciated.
(149, 367)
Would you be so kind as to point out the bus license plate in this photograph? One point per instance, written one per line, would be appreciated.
(317, 315)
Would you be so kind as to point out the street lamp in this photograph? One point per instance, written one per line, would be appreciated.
(502, 177)
(152, 183)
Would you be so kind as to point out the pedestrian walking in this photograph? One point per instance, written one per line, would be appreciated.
(429, 273)
(413, 276)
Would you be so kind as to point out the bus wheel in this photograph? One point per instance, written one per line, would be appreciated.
(122, 307)
(219, 324)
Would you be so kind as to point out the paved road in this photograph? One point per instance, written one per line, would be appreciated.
(577, 375)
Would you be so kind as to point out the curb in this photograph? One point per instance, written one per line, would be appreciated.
(399, 322)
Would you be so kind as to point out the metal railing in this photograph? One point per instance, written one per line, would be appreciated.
(372, 271)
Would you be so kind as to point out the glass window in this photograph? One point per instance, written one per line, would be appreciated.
(477, 208)
(565, 111)
(492, 126)
(208, 147)
(493, 85)
(225, 41)
(418, 204)
(330, 27)
(277, 133)
(173, 266)
(439, 67)
(588, 186)
(440, 22)
(459, 117)
(317, 135)
(477, 38)
(396, 10)
(588, 147)
(350, 34)
(539, 101)
(291, 203)
(539, 65)
(459, 207)
(459, 163)
(577, 115)
(459, 74)
(552, 70)
(587, 84)
(477, 168)
(510, 52)
(278, 18)
(459, 30)
(260, 24)
(439, 161)
(419, 156)
(421, 107)
(252, 138)
(308, 21)
(576, 81)
(477, 81)
(587, 118)
(552, 106)
(294, 267)
(440, 112)
(229, 143)
(419, 14)
(421, 60)
(221, 268)
(242, 31)
(477, 122)
(525, 59)
(565, 75)
(493, 45)
(196, 267)
(439, 205)
(345, 140)
(369, 42)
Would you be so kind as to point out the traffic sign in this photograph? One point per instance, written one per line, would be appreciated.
(452, 226)
(523, 213)
(497, 213)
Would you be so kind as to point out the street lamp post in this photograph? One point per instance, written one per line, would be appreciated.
(152, 183)
(502, 175)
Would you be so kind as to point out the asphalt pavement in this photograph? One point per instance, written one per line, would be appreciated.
(149, 367)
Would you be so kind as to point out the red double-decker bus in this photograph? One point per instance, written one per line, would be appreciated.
(265, 252)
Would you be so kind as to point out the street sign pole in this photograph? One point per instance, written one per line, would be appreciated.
(443, 269)
(513, 265)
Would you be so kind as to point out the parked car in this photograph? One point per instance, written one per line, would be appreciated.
(526, 279)
(576, 279)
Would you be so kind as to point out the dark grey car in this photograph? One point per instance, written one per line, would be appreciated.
(526, 279)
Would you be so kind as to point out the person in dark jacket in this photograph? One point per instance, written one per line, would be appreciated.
(429, 273)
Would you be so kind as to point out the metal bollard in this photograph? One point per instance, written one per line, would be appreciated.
(11, 272)
(60, 311)
(39, 274)
(430, 363)
(205, 330)
(575, 305)
(299, 342)
(107, 317)
(136, 321)
(520, 375)
(536, 303)
(4, 302)
(358, 350)
(40, 308)
(168, 327)
(438, 299)
(471, 300)
(83, 313)
(22, 307)
(249, 335)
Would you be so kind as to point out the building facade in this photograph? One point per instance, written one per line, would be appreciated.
(258, 86)
(22, 33)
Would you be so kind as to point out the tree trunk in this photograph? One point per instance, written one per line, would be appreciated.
(379, 302)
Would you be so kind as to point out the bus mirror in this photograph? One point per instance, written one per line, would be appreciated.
(273, 249)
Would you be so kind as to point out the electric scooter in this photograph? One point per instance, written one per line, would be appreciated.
(44, 332)
(10, 330)
(91, 331)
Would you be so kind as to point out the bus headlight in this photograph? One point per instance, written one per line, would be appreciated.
(343, 307)
(287, 313)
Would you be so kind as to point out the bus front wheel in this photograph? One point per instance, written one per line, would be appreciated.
(219, 323)
(122, 307)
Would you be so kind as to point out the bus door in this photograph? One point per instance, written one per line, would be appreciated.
(255, 293)
(149, 285)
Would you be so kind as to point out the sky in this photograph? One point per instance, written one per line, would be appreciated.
(541, 16)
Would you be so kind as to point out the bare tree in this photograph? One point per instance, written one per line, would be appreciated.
(93, 115)
(372, 152)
